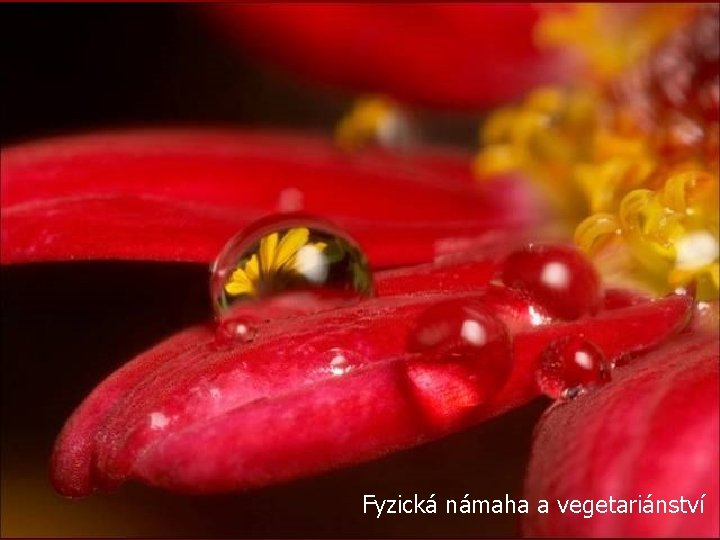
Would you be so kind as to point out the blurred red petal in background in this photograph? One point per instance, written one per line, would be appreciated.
(459, 56)
(652, 434)
(179, 196)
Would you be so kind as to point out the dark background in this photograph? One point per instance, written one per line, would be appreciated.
(76, 67)
(68, 68)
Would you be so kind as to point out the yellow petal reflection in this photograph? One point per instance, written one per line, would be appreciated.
(293, 240)
(268, 245)
(252, 270)
(239, 284)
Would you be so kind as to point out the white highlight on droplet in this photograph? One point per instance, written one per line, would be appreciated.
(240, 329)
(695, 250)
(556, 275)
(473, 332)
(158, 420)
(536, 318)
(584, 360)
(310, 262)
(339, 365)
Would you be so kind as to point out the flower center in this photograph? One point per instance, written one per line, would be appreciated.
(631, 163)
(609, 37)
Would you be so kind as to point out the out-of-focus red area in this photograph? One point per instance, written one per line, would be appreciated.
(448, 55)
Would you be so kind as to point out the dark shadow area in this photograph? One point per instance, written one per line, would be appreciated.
(70, 67)
(80, 67)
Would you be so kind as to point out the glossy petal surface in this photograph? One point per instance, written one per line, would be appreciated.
(651, 434)
(180, 196)
(198, 415)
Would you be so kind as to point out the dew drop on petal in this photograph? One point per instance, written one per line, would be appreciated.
(288, 254)
(465, 335)
(559, 277)
(236, 329)
(569, 366)
(341, 361)
(515, 308)
(158, 420)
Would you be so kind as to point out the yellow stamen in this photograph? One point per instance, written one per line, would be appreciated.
(644, 213)
(610, 37)
(372, 120)
(595, 231)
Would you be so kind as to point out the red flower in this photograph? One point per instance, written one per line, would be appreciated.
(444, 249)
(191, 395)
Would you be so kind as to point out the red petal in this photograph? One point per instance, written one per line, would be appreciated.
(654, 430)
(181, 195)
(193, 415)
(445, 55)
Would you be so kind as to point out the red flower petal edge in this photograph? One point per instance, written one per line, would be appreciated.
(179, 196)
(197, 415)
(650, 435)
(462, 56)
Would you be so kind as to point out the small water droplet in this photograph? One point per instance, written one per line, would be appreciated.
(559, 277)
(236, 328)
(341, 361)
(290, 253)
(569, 365)
(464, 332)
(158, 420)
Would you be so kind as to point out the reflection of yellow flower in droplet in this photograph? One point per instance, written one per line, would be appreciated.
(274, 255)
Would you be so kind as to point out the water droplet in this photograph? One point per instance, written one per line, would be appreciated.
(341, 361)
(236, 328)
(290, 253)
(559, 277)
(569, 365)
(158, 420)
(464, 332)
(515, 308)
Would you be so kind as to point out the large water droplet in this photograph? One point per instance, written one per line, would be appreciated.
(515, 308)
(569, 365)
(460, 342)
(290, 253)
(558, 277)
